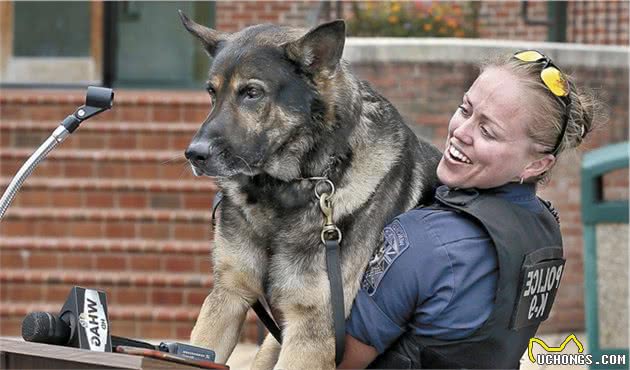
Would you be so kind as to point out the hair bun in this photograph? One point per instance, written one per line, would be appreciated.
(586, 112)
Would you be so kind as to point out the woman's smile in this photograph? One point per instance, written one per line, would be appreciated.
(457, 155)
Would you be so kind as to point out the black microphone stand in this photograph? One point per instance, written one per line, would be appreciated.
(97, 100)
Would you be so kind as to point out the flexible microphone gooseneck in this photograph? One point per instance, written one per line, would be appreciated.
(97, 100)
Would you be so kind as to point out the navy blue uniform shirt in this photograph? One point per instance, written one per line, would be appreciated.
(436, 275)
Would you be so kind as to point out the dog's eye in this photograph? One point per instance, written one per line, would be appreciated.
(253, 92)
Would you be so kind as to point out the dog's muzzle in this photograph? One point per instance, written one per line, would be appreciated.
(208, 160)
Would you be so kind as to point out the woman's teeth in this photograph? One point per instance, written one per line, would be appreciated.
(458, 155)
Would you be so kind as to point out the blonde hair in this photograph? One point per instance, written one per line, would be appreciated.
(548, 113)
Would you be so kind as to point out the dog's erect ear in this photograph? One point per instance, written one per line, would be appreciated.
(209, 37)
(321, 48)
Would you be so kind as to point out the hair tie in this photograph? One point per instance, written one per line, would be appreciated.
(583, 131)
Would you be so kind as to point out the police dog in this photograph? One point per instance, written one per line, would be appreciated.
(286, 110)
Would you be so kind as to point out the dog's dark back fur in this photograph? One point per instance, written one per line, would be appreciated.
(286, 108)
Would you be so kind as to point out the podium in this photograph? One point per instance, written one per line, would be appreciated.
(18, 354)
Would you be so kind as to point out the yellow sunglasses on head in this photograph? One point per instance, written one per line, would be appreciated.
(555, 82)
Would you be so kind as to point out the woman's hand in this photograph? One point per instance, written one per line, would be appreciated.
(357, 354)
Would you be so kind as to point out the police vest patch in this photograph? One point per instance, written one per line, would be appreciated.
(395, 242)
(540, 278)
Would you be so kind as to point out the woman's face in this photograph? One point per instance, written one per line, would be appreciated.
(487, 144)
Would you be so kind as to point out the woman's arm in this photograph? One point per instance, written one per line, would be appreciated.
(385, 303)
(357, 354)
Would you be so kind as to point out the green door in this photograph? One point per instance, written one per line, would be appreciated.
(152, 49)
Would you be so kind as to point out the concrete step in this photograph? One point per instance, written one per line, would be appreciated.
(101, 135)
(133, 246)
(138, 288)
(107, 223)
(195, 194)
(78, 277)
(103, 164)
(129, 105)
(120, 255)
(132, 321)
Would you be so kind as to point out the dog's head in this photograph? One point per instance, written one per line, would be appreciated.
(266, 84)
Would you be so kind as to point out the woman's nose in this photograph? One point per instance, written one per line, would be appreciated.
(464, 133)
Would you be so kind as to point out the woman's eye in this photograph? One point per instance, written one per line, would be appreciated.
(464, 111)
(485, 132)
(253, 92)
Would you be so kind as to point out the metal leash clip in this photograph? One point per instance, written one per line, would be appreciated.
(330, 231)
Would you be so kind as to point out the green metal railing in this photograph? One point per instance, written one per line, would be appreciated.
(597, 211)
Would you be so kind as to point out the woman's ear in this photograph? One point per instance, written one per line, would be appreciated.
(538, 166)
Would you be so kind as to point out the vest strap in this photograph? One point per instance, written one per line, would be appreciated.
(267, 320)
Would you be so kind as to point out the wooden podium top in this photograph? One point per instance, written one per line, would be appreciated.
(18, 354)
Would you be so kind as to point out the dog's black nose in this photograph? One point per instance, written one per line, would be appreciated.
(197, 152)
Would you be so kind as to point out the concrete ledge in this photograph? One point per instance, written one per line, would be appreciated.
(413, 50)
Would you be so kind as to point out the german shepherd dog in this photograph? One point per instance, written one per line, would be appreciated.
(286, 109)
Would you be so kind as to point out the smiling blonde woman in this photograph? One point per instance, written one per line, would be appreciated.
(466, 282)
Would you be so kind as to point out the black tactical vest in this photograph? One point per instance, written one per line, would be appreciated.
(529, 251)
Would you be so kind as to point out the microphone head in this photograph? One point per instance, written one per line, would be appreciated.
(99, 97)
(44, 327)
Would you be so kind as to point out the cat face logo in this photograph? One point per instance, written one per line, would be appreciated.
(560, 348)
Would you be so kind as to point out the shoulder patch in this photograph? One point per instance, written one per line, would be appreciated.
(395, 242)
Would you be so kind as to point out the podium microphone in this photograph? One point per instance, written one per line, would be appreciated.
(82, 323)
(44, 327)
(48, 328)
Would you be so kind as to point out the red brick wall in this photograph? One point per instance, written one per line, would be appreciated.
(113, 208)
(598, 22)
(502, 20)
(616, 185)
(234, 15)
(593, 22)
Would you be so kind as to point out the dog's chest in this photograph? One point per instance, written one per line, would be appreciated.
(277, 212)
(278, 226)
